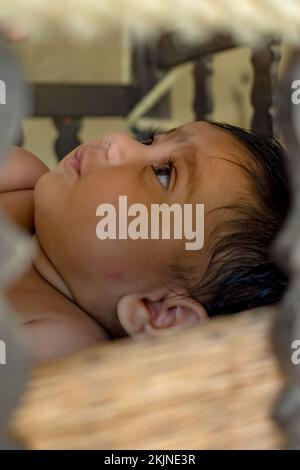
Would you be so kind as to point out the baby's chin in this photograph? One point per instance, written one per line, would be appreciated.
(48, 195)
(40, 187)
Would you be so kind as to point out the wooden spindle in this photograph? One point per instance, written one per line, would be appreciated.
(203, 101)
(265, 60)
(67, 139)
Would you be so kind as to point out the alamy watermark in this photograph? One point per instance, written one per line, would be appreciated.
(295, 357)
(160, 218)
(2, 92)
(2, 353)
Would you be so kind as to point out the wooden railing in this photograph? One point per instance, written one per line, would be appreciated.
(68, 104)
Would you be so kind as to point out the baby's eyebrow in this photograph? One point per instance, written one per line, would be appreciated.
(179, 134)
(171, 130)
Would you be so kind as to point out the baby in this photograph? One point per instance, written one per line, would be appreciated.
(81, 290)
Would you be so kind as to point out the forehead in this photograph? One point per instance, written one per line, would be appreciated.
(220, 161)
(212, 146)
(207, 139)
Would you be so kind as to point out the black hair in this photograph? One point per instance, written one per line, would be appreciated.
(241, 273)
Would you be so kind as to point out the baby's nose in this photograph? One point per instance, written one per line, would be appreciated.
(122, 149)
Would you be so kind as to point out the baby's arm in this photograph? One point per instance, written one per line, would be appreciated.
(21, 170)
(18, 177)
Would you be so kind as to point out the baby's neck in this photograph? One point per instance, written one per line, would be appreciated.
(47, 271)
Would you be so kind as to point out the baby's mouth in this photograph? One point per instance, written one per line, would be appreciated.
(75, 161)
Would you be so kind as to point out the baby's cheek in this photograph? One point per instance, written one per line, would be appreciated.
(122, 264)
(114, 273)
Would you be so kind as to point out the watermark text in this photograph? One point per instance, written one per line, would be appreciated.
(2, 353)
(155, 224)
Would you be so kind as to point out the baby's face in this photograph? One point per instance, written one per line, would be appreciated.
(99, 272)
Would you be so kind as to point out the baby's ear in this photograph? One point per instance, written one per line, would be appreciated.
(155, 314)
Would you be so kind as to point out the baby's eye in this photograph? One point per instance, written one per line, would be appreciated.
(164, 173)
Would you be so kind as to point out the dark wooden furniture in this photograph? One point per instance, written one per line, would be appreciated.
(68, 104)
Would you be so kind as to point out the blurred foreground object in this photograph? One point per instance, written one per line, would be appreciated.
(286, 330)
(209, 387)
(195, 20)
(15, 250)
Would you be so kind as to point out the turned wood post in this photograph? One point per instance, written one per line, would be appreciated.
(264, 96)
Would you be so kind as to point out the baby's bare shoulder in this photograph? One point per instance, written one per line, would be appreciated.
(54, 325)
(18, 177)
(21, 170)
